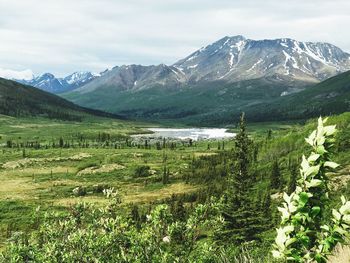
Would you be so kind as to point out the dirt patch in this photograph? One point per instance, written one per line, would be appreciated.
(106, 168)
(341, 255)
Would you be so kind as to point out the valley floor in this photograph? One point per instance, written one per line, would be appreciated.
(52, 165)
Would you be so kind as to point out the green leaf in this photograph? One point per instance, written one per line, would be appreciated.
(321, 140)
(340, 230)
(313, 157)
(311, 138)
(330, 130)
(290, 241)
(303, 198)
(336, 215)
(313, 183)
(332, 165)
(343, 200)
(325, 227)
(320, 122)
(312, 170)
(321, 150)
(304, 164)
(315, 211)
(304, 239)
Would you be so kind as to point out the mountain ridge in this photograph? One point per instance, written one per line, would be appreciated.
(226, 76)
(48, 82)
(231, 58)
(20, 100)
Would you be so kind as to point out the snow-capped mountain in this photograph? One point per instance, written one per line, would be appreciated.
(230, 59)
(233, 59)
(50, 83)
(237, 58)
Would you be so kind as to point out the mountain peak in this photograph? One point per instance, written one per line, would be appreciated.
(45, 76)
(237, 58)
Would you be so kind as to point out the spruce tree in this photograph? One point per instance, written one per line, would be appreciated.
(293, 179)
(275, 175)
(240, 209)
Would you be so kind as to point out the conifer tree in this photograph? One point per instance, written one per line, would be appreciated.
(293, 179)
(275, 175)
(240, 210)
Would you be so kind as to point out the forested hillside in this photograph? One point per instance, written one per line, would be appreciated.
(331, 96)
(21, 100)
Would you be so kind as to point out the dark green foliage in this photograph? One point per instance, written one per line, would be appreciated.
(61, 142)
(142, 171)
(21, 100)
(217, 102)
(240, 211)
(275, 175)
(166, 175)
(293, 179)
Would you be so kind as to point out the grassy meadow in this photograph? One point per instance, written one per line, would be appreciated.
(46, 175)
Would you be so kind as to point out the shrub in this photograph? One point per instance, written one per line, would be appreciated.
(142, 171)
(79, 191)
(305, 234)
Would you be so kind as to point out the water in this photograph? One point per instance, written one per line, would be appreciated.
(191, 133)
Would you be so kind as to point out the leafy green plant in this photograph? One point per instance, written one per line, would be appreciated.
(306, 234)
(90, 234)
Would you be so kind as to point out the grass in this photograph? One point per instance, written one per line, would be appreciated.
(46, 176)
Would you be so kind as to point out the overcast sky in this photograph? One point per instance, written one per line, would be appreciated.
(62, 36)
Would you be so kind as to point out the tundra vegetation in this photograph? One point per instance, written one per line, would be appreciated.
(89, 192)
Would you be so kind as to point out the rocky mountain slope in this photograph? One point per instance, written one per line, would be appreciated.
(238, 58)
(233, 59)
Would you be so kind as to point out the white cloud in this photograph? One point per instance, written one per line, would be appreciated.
(12, 74)
(62, 36)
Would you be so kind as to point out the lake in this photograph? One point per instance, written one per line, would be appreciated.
(191, 133)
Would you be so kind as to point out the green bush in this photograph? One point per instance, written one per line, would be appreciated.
(142, 171)
(306, 234)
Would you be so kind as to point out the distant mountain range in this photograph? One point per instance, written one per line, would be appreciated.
(220, 79)
(233, 59)
(48, 82)
(214, 82)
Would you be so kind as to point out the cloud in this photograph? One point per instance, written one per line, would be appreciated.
(62, 36)
(12, 74)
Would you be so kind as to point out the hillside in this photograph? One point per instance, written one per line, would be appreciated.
(331, 96)
(20, 100)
